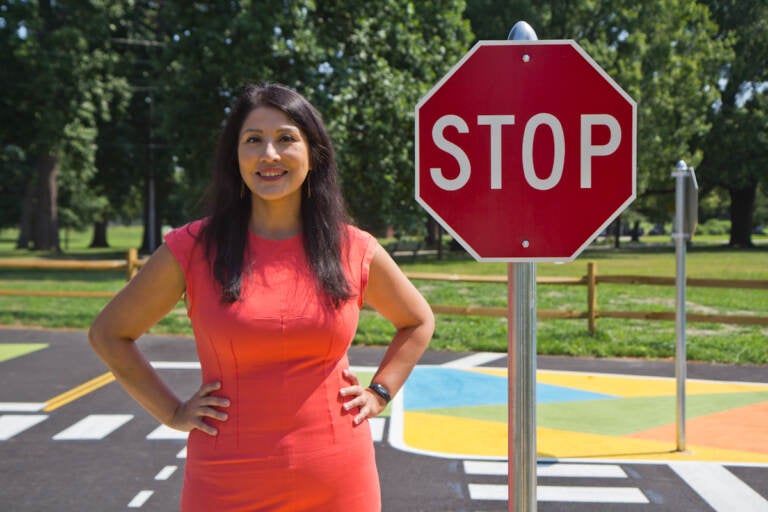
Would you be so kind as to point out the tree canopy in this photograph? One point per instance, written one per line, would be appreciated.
(104, 105)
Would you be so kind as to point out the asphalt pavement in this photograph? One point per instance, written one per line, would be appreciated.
(72, 440)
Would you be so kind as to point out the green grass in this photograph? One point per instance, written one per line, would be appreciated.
(614, 338)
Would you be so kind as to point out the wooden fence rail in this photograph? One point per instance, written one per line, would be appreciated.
(130, 264)
(591, 280)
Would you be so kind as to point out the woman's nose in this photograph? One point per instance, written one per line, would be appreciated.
(270, 152)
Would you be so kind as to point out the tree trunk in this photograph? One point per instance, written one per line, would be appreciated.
(46, 229)
(100, 233)
(617, 233)
(742, 209)
(433, 232)
(25, 223)
(636, 231)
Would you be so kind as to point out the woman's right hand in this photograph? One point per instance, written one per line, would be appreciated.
(190, 414)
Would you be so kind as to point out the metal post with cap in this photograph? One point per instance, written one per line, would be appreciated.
(521, 366)
(686, 216)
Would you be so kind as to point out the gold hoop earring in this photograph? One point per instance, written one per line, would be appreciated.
(309, 189)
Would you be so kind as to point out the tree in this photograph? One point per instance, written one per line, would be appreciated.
(57, 80)
(363, 64)
(131, 156)
(662, 53)
(736, 150)
(393, 52)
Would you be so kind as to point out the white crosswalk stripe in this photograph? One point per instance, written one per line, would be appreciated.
(13, 424)
(93, 426)
(720, 488)
(164, 432)
(166, 472)
(140, 499)
(21, 406)
(557, 469)
(576, 493)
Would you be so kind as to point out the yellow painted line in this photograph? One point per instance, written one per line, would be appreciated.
(499, 372)
(631, 385)
(637, 386)
(79, 391)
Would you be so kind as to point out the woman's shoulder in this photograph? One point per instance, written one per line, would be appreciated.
(185, 236)
(190, 229)
(361, 246)
(359, 236)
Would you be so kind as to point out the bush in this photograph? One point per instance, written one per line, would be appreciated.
(714, 227)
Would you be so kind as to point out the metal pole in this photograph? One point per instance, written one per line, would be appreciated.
(680, 174)
(151, 211)
(522, 387)
(521, 370)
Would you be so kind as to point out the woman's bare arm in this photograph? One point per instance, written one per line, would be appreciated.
(393, 296)
(146, 299)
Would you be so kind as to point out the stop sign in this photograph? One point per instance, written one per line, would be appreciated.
(525, 150)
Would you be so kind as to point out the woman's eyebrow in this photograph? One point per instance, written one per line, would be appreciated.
(285, 128)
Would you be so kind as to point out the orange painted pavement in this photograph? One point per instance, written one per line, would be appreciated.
(743, 428)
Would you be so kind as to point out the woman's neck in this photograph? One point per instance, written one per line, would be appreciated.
(274, 221)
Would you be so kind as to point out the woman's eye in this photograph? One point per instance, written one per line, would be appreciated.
(253, 138)
(288, 138)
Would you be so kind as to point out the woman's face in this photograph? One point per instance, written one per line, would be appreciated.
(273, 155)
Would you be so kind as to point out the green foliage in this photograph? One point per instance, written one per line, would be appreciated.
(58, 79)
(123, 90)
(714, 227)
(363, 64)
(736, 150)
(664, 54)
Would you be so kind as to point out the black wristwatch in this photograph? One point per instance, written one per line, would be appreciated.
(381, 391)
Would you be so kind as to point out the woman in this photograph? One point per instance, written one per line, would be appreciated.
(274, 280)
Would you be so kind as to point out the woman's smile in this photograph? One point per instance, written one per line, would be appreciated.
(271, 174)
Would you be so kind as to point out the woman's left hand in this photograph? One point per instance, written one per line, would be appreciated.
(368, 403)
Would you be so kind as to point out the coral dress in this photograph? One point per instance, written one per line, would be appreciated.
(279, 354)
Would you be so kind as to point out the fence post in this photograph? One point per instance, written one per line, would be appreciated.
(132, 264)
(592, 297)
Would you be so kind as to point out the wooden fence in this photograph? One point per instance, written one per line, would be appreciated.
(591, 280)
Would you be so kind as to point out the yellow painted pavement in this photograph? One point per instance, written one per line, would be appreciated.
(458, 436)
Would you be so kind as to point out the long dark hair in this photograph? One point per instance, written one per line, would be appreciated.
(323, 213)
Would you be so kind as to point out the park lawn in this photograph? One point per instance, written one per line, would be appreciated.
(614, 338)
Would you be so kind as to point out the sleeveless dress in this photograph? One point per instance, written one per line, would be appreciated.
(279, 353)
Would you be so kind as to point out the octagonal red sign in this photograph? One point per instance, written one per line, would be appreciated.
(525, 150)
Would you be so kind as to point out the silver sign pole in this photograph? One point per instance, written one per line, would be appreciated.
(685, 224)
(522, 366)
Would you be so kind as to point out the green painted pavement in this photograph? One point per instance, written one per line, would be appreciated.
(617, 417)
(12, 350)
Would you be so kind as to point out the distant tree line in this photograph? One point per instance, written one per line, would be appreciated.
(109, 110)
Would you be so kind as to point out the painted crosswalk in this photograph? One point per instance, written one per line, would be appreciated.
(13, 424)
(93, 426)
(557, 493)
(100, 426)
(720, 488)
